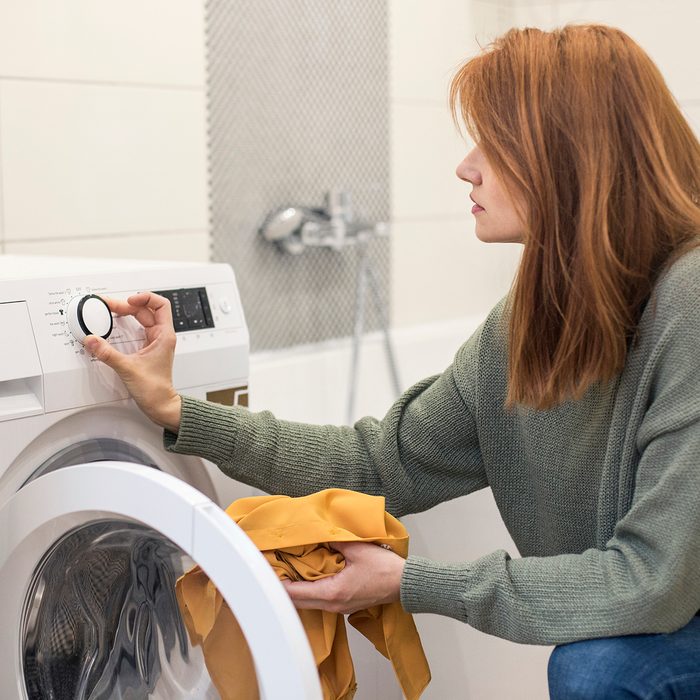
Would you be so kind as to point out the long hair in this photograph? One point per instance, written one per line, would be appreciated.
(581, 128)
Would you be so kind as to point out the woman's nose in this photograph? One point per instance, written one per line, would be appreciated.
(467, 172)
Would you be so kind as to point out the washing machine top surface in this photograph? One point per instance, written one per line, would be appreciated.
(13, 267)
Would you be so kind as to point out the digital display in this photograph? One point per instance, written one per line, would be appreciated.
(190, 307)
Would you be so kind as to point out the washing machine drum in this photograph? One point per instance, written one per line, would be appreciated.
(101, 619)
(88, 579)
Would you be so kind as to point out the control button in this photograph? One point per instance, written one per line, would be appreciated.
(190, 308)
(225, 305)
(89, 315)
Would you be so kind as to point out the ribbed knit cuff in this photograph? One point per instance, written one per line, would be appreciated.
(206, 429)
(433, 587)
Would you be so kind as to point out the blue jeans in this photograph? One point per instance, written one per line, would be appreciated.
(638, 667)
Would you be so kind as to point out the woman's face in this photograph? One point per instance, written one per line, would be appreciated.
(497, 217)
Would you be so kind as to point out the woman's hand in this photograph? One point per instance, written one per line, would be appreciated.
(147, 373)
(372, 576)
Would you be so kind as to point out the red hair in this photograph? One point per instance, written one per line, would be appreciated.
(581, 127)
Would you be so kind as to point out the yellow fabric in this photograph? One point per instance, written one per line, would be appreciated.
(293, 534)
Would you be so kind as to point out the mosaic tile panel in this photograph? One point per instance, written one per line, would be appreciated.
(298, 100)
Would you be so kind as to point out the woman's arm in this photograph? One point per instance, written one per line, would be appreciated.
(423, 452)
(645, 579)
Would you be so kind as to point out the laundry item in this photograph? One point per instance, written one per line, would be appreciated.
(296, 536)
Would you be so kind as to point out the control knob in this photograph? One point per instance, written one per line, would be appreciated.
(89, 315)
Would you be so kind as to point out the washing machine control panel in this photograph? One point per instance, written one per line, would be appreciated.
(77, 311)
(190, 308)
(88, 315)
(54, 303)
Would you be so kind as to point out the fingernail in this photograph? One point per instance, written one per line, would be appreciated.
(90, 342)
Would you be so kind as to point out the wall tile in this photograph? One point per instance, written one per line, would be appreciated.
(425, 150)
(80, 160)
(299, 104)
(666, 31)
(428, 41)
(188, 246)
(692, 113)
(491, 19)
(158, 41)
(543, 15)
(441, 271)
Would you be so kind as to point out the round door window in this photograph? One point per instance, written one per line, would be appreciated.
(92, 450)
(101, 619)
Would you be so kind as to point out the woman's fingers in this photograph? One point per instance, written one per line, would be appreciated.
(158, 306)
(348, 549)
(119, 306)
(147, 308)
(315, 595)
(147, 373)
(105, 353)
(371, 576)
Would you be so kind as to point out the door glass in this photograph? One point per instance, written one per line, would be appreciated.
(93, 450)
(101, 620)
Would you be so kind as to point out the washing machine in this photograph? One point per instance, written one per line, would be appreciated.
(97, 520)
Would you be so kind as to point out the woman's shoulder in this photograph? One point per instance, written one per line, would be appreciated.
(486, 349)
(677, 290)
(493, 329)
(672, 314)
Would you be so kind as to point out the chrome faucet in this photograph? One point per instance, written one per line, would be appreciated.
(295, 228)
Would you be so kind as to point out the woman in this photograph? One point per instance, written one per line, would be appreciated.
(577, 401)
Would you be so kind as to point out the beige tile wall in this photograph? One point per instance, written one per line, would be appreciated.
(439, 269)
(103, 129)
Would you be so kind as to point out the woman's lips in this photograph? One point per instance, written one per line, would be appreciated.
(476, 209)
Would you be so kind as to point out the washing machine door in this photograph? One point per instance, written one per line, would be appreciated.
(88, 559)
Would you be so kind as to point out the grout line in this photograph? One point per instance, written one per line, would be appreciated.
(100, 236)
(208, 128)
(103, 83)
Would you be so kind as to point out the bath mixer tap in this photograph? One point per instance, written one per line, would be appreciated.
(295, 228)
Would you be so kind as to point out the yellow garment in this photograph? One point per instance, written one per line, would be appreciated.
(293, 534)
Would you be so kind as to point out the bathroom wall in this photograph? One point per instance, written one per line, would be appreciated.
(298, 104)
(102, 129)
(439, 269)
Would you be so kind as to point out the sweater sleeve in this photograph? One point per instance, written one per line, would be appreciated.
(423, 452)
(644, 580)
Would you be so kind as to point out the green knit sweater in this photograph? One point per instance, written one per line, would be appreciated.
(601, 495)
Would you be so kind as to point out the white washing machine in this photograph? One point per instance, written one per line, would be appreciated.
(96, 520)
